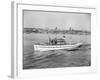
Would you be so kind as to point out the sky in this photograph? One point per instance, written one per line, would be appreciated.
(61, 20)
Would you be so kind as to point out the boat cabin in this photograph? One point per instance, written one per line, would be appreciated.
(57, 41)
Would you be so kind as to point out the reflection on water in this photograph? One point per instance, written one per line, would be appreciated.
(56, 58)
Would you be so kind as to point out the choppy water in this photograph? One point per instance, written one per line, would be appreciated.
(57, 58)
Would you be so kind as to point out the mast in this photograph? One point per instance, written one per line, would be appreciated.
(48, 37)
(56, 33)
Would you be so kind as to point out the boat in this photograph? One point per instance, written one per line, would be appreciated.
(56, 47)
(56, 44)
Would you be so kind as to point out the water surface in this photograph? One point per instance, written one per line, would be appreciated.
(58, 58)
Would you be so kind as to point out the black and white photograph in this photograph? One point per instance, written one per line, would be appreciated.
(54, 39)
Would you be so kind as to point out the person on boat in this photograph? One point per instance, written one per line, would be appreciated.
(52, 41)
(55, 41)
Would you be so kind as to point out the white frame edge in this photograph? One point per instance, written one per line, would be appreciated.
(14, 62)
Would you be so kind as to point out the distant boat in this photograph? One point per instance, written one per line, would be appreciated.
(56, 44)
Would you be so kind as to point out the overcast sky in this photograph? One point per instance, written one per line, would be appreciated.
(61, 20)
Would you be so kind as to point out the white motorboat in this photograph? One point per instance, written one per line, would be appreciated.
(56, 47)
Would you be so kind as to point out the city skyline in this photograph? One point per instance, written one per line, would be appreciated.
(61, 20)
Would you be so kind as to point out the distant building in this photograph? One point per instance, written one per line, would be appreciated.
(70, 28)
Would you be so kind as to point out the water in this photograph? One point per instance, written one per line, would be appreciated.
(58, 58)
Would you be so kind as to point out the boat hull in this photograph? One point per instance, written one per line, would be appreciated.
(55, 47)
